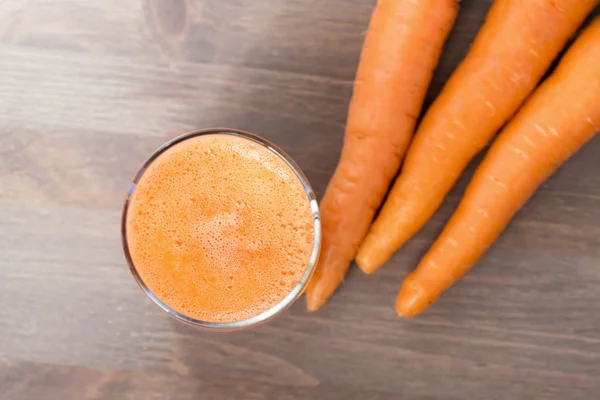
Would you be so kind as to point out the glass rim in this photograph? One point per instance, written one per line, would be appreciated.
(298, 289)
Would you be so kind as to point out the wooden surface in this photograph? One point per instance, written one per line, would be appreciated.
(89, 88)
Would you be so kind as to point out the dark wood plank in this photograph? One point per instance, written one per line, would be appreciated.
(26, 381)
(89, 89)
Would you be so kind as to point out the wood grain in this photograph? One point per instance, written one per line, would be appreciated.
(89, 89)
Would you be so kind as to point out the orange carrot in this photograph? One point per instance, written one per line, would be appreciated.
(511, 52)
(400, 52)
(559, 118)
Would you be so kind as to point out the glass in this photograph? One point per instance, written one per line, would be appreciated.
(295, 293)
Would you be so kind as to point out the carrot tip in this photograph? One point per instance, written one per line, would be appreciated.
(312, 304)
(364, 265)
(364, 269)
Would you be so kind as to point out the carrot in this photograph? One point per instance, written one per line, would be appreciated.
(400, 52)
(510, 54)
(559, 118)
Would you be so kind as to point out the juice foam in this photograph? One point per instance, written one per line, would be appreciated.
(219, 228)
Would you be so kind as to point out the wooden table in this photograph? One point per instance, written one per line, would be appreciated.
(89, 88)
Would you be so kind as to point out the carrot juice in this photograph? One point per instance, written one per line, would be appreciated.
(220, 228)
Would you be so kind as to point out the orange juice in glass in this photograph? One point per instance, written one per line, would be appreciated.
(221, 229)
